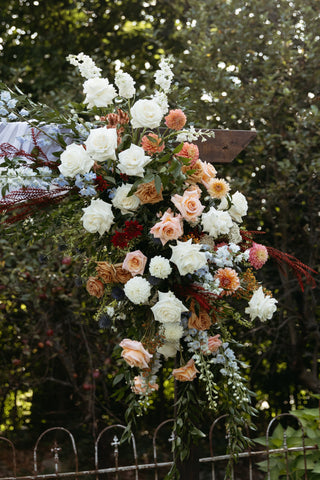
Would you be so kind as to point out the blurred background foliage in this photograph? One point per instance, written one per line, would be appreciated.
(246, 64)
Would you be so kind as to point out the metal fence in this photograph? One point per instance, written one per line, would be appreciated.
(107, 446)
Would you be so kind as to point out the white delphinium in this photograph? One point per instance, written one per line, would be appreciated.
(86, 65)
(160, 267)
(163, 77)
(138, 290)
(125, 84)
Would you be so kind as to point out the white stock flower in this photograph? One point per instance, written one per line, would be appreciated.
(132, 160)
(146, 114)
(168, 308)
(169, 349)
(187, 257)
(138, 290)
(98, 217)
(122, 201)
(163, 77)
(86, 65)
(160, 267)
(238, 208)
(173, 331)
(125, 84)
(261, 306)
(75, 159)
(162, 100)
(102, 143)
(216, 222)
(99, 92)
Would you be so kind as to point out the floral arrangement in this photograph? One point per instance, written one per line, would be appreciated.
(165, 252)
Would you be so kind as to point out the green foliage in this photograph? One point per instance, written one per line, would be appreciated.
(298, 462)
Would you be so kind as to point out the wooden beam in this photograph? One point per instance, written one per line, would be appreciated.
(225, 146)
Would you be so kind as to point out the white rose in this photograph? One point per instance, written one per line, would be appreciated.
(122, 201)
(99, 92)
(138, 290)
(187, 257)
(238, 208)
(102, 143)
(216, 222)
(74, 160)
(172, 331)
(169, 349)
(132, 160)
(146, 114)
(98, 217)
(125, 84)
(168, 308)
(160, 267)
(261, 306)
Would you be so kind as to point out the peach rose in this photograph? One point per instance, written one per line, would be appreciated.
(141, 387)
(134, 353)
(189, 150)
(196, 176)
(95, 287)
(189, 204)
(169, 228)
(201, 321)
(208, 172)
(122, 276)
(147, 193)
(135, 262)
(152, 146)
(106, 272)
(214, 343)
(176, 119)
(186, 373)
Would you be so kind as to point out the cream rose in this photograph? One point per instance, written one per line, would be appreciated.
(138, 290)
(74, 160)
(168, 308)
(99, 92)
(134, 353)
(160, 267)
(261, 306)
(135, 262)
(102, 143)
(133, 160)
(125, 203)
(169, 349)
(238, 208)
(187, 257)
(189, 204)
(216, 222)
(146, 114)
(98, 217)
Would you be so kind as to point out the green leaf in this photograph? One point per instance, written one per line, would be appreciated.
(158, 183)
(117, 379)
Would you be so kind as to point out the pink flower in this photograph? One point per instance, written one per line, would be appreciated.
(150, 146)
(214, 343)
(189, 204)
(135, 262)
(190, 150)
(135, 354)
(208, 173)
(176, 119)
(140, 386)
(169, 228)
(258, 255)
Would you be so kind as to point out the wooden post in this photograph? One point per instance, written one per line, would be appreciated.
(223, 148)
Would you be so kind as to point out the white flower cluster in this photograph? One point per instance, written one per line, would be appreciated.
(125, 84)
(16, 178)
(163, 77)
(138, 290)
(86, 65)
(228, 255)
